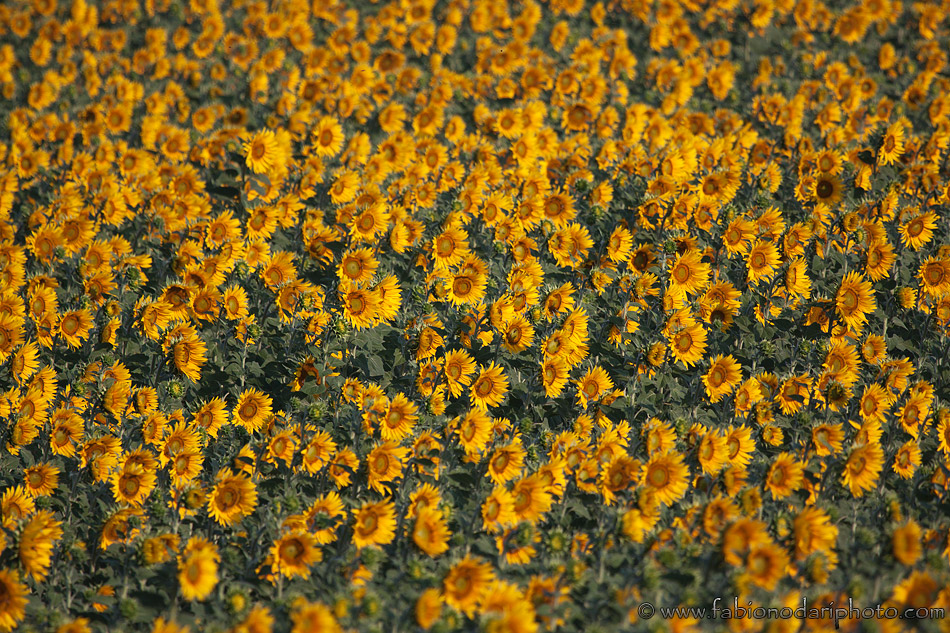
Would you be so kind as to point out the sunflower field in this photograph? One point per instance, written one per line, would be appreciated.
(473, 315)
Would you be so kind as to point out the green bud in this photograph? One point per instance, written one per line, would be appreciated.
(174, 388)
(128, 608)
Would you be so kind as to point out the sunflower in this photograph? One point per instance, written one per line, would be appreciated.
(688, 344)
(827, 189)
(458, 366)
(132, 484)
(198, 570)
(498, 510)
(74, 327)
(554, 375)
(506, 462)
(430, 532)
(517, 334)
(855, 300)
(723, 376)
(328, 136)
(360, 308)
(25, 362)
(490, 387)
(190, 355)
(892, 146)
(13, 599)
(667, 476)
(37, 540)
(357, 266)
(374, 524)
(399, 419)
(293, 554)
(918, 590)
(593, 385)
(467, 288)
(385, 463)
(765, 565)
(263, 153)
(11, 334)
(762, 261)
(879, 259)
(252, 410)
(875, 403)
(531, 500)
(863, 467)
(827, 439)
(233, 497)
(689, 274)
(713, 452)
(466, 584)
(907, 459)
(41, 480)
(906, 544)
(428, 608)
(918, 230)
(934, 275)
(785, 476)
(211, 416)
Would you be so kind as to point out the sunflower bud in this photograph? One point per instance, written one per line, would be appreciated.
(174, 388)
(237, 602)
(128, 608)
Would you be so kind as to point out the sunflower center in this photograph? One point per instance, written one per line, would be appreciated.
(462, 286)
(484, 387)
(368, 522)
(681, 273)
(934, 274)
(684, 342)
(291, 551)
(659, 477)
(131, 486)
(717, 376)
(70, 325)
(357, 304)
(248, 410)
(500, 462)
(824, 189)
(849, 299)
(367, 222)
(352, 268)
(35, 479)
(228, 498)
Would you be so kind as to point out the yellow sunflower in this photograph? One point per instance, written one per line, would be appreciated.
(233, 497)
(252, 410)
(293, 554)
(855, 300)
(489, 389)
(863, 468)
(374, 524)
(722, 378)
